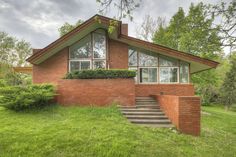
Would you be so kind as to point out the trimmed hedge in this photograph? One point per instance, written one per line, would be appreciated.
(101, 74)
(25, 97)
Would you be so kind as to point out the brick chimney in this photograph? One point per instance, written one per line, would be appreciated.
(124, 29)
(36, 50)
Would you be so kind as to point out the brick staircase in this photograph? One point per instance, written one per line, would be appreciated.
(146, 112)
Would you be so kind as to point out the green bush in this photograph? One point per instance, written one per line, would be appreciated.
(26, 97)
(101, 74)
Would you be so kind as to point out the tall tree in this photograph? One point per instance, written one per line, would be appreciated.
(194, 33)
(173, 32)
(228, 89)
(66, 27)
(13, 51)
(148, 27)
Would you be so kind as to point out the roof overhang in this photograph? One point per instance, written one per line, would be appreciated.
(76, 34)
(197, 64)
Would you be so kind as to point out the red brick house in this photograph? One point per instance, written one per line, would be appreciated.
(162, 73)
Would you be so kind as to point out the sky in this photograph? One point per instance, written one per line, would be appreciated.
(37, 21)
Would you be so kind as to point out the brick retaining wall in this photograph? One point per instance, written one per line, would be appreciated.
(98, 92)
(183, 111)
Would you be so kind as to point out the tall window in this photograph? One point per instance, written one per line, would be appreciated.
(89, 52)
(154, 68)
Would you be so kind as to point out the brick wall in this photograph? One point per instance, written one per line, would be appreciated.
(183, 111)
(166, 89)
(118, 55)
(96, 91)
(53, 69)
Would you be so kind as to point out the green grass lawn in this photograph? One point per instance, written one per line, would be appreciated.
(74, 131)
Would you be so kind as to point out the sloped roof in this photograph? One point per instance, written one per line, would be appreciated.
(98, 21)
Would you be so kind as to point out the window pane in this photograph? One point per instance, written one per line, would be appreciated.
(136, 70)
(133, 60)
(164, 61)
(148, 75)
(99, 45)
(184, 72)
(74, 65)
(99, 64)
(168, 75)
(82, 49)
(84, 65)
(147, 59)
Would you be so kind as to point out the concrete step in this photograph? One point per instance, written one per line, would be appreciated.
(137, 104)
(142, 113)
(149, 106)
(140, 110)
(150, 121)
(141, 102)
(144, 98)
(146, 117)
(158, 125)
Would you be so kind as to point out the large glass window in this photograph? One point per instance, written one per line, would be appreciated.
(82, 49)
(147, 59)
(168, 74)
(153, 68)
(165, 61)
(148, 75)
(89, 52)
(133, 58)
(184, 72)
(99, 45)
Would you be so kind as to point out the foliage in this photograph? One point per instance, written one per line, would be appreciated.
(101, 74)
(26, 97)
(104, 132)
(13, 51)
(112, 26)
(124, 7)
(12, 78)
(228, 89)
(66, 27)
(194, 33)
(226, 12)
(148, 27)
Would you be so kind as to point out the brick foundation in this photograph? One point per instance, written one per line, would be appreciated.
(183, 111)
(166, 89)
(98, 92)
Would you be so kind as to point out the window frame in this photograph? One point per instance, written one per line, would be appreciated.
(80, 60)
(149, 67)
(158, 67)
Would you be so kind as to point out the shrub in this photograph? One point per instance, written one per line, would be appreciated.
(26, 97)
(101, 74)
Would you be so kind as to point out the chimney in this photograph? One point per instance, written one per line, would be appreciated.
(124, 29)
(36, 50)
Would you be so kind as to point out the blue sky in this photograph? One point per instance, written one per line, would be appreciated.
(37, 21)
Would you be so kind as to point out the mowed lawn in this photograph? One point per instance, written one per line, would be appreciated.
(58, 131)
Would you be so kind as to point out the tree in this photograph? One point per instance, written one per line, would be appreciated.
(148, 27)
(124, 7)
(226, 23)
(13, 51)
(194, 33)
(171, 35)
(66, 27)
(228, 89)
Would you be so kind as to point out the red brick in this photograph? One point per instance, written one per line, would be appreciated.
(165, 89)
(183, 111)
(98, 92)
